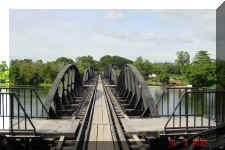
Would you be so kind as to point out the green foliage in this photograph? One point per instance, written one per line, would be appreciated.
(27, 72)
(166, 67)
(64, 61)
(83, 62)
(116, 61)
(202, 57)
(202, 71)
(4, 76)
(153, 83)
(164, 78)
(4, 72)
(3, 66)
(144, 66)
(183, 59)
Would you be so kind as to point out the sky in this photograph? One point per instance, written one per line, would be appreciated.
(155, 35)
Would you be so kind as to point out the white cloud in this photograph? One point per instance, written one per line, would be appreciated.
(155, 35)
(114, 15)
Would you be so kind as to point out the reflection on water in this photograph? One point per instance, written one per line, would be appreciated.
(170, 100)
(33, 107)
(29, 100)
(4, 111)
(200, 104)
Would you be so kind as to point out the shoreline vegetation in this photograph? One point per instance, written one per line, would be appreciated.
(202, 71)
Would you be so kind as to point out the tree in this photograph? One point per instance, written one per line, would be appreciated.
(202, 71)
(116, 61)
(3, 66)
(64, 60)
(169, 68)
(202, 57)
(104, 62)
(164, 78)
(144, 66)
(83, 62)
(201, 75)
(183, 58)
(49, 71)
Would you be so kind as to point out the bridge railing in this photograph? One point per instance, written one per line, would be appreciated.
(29, 99)
(169, 98)
(12, 120)
(198, 109)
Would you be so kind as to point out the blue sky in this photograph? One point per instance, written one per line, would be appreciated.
(153, 34)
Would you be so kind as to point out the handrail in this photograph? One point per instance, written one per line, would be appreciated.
(174, 111)
(166, 94)
(208, 110)
(11, 116)
(161, 98)
(43, 106)
(26, 115)
(23, 90)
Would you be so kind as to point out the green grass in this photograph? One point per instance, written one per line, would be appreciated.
(156, 82)
(153, 83)
(213, 86)
(45, 85)
(3, 84)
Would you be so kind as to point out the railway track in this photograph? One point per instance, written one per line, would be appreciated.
(115, 113)
(85, 116)
(119, 138)
(126, 141)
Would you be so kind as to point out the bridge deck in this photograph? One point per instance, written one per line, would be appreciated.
(155, 126)
(47, 128)
(100, 129)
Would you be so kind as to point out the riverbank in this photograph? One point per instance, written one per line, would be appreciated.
(158, 83)
(42, 85)
(4, 84)
(45, 85)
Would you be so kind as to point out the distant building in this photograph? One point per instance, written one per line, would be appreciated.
(151, 76)
(174, 82)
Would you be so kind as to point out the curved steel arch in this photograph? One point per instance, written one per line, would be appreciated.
(88, 73)
(110, 74)
(66, 85)
(132, 86)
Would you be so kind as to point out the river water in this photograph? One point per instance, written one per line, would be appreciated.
(34, 108)
(197, 103)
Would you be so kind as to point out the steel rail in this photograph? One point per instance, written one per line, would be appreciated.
(83, 134)
(116, 126)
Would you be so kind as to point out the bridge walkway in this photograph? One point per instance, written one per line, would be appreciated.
(100, 133)
(155, 126)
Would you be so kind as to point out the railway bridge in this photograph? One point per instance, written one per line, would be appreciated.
(103, 110)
